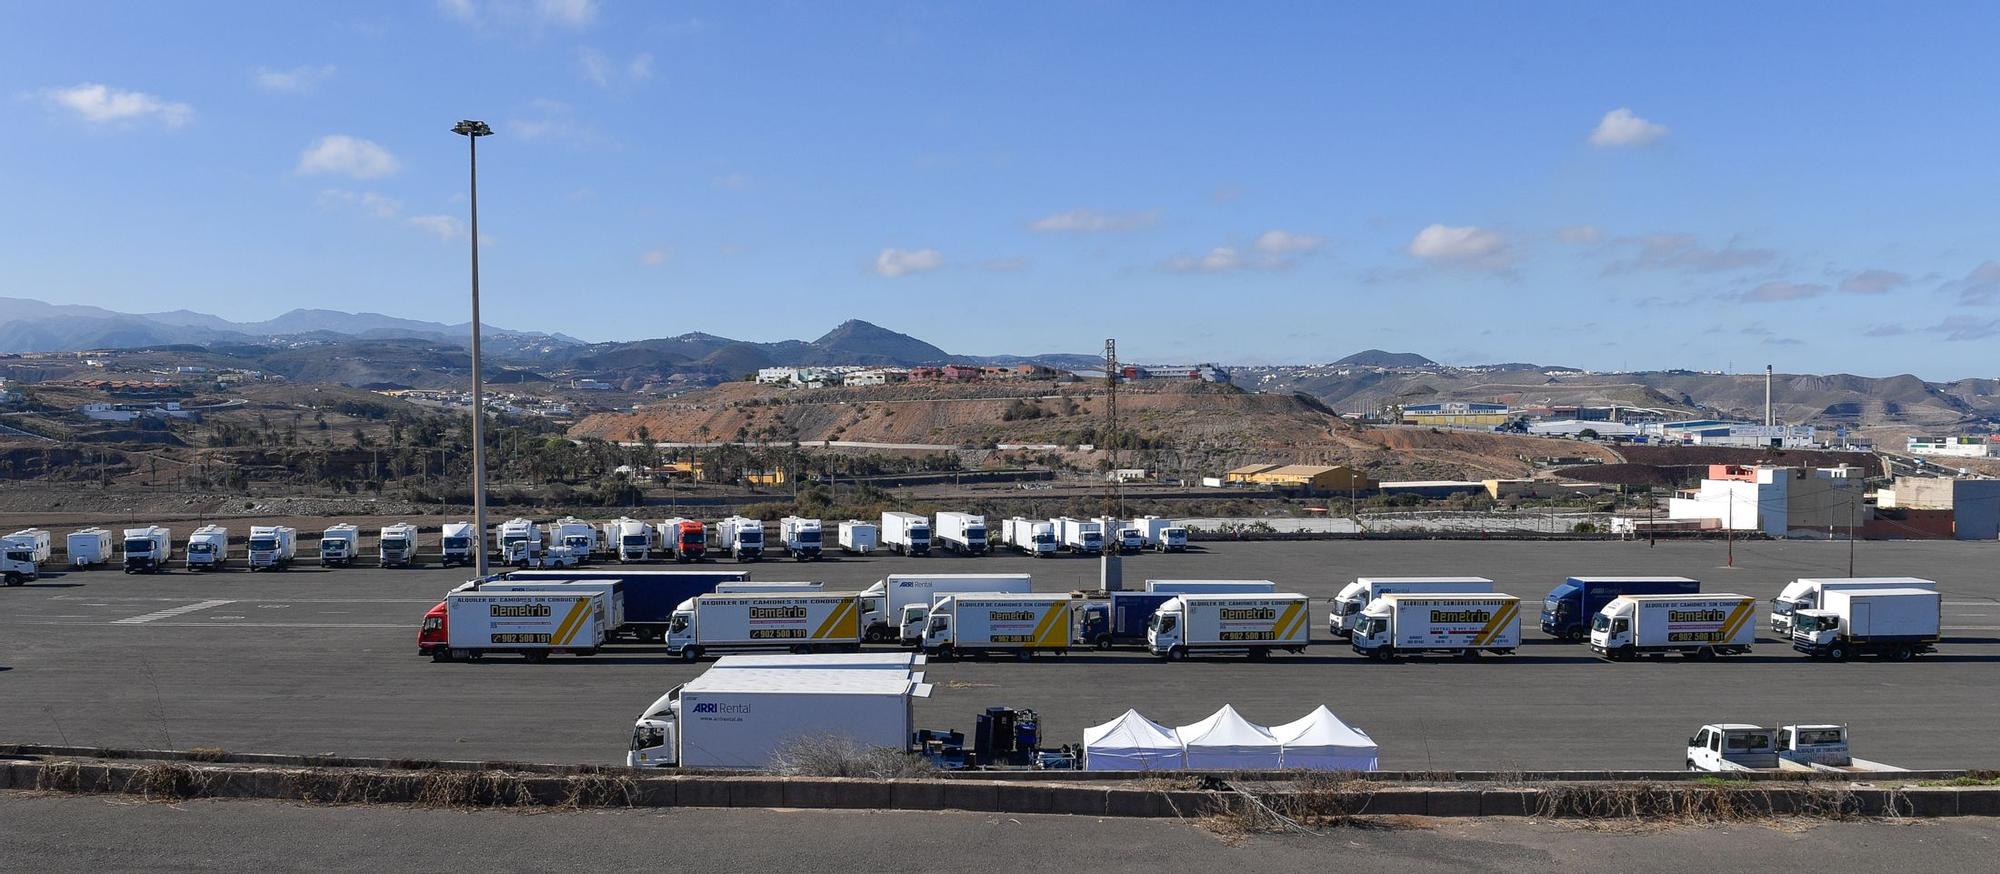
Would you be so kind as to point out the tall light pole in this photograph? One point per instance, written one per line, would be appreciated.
(472, 131)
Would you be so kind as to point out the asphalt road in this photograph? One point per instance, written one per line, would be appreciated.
(312, 660)
(57, 834)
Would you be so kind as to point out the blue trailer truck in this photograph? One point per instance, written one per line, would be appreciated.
(1567, 612)
(1118, 619)
(650, 595)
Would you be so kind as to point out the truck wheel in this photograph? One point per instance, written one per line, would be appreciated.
(1259, 654)
(14, 579)
(691, 654)
(1103, 641)
(1469, 654)
(1573, 635)
(536, 655)
(1022, 655)
(440, 655)
(1384, 654)
(1705, 654)
(1690, 765)
(1837, 652)
(1177, 654)
(1903, 653)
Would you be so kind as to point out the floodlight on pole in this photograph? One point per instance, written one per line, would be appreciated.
(472, 131)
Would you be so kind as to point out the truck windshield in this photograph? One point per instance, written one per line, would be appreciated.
(635, 540)
(1372, 627)
(264, 543)
(646, 737)
(1808, 624)
(1783, 607)
(1343, 607)
(457, 542)
(195, 548)
(1600, 622)
(1045, 537)
(809, 537)
(395, 545)
(680, 623)
(28, 557)
(139, 545)
(750, 537)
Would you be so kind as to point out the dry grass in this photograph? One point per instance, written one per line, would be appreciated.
(471, 789)
(207, 754)
(841, 757)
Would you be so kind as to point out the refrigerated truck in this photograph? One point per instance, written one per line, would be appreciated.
(1362, 591)
(1036, 537)
(818, 622)
(1463, 624)
(457, 540)
(470, 624)
(882, 603)
(1696, 626)
(1023, 624)
(634, 540)
(36, 541)
(1892, 623)
(576, 534)
(803, 538)
(1211, 587)
(858, 537)
(1080, 536)
(208, 548)
(963, 533)
(1805, 593)
(1117, 618)
(271, 547)
(650, 595)
(684, 539)
(148, 549)
(338, 545)
(741, 537)
(88, 546)
(396, 545)
(1569, 608)
(743, 718)
(1252, 624)
(906, 533)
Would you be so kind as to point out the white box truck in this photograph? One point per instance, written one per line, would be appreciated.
(208, 548)
(984, 622)
(743, 717)
(339, 544)
(858, 537)
(1252, 624)
(533, 624)
(1036, 537)
(576, 534)
(612, 591)
(521, 531)
(1805, 593)
(396, 545)
(272, 547)
(1696, 626)
(17, 565)
(89, 547)
(148, 549)
(457, 540)
(1080, 536)
(1120, 536)
(1460, 624)
(803, 538)
(1363, 591)
(906, 533)
(741, 537)
(1161, 534)
(883, 604)
(1892, 623)
(962, 533)
(36, 541)
(635, 540)
(804, 622)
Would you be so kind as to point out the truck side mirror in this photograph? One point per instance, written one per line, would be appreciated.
(1692, 743)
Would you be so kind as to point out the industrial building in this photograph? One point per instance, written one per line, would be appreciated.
(1431, 488)
(1458, 413)
(1974, 503)
(1309, 478)
(1711, 432)
(1776, 500)
(1964, 447)
(1577, 427)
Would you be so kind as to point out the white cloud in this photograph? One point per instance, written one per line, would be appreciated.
(1220, 259)
(903, 262)
(380, 206)
(1620, 127)
(604, 71)
(346, 156)
(596, 67)
(444, 227)
(1778, 292)
(1467, 246)
(1580, 234)
(571, 13)
(297, 80)
(463, 10)
(1684, 252)
(654, 257)
(375, 204)
(1277, 242)
(1874, 282)
(103, 104)
(640, 68)
(1092, 221)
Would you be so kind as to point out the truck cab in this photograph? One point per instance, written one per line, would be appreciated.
(1173, 539)
(654, 735)
(518, 554)
(397, 545)
(456, 544)
(18, 566)
(912, 623)
(433, 636)
(1732, 747)
(1130, 541)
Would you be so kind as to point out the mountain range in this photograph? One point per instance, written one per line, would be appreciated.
(36, 326)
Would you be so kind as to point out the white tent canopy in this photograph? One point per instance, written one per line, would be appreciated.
(1227, 741)
(1131, 743)
(1320, 741)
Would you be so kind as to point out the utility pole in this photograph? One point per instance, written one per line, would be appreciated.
(1115, 499)
(472, 131)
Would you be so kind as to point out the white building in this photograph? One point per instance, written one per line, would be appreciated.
(591, 385)
(776, 375)
(866, 377)
(1962, 447)
(1775, 500)
(1575, 427)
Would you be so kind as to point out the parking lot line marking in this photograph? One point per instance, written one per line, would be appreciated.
(169, 612)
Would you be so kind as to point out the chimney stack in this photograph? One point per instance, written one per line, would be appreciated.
(1768, 421)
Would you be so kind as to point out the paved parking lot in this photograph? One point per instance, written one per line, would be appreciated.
(312, 660)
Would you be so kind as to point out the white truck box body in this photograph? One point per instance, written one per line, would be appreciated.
(1676, 623)
(525, 621)
(1866, 613)
(986, 622)
(766, 621)
(611, 591)
(208, 547)
(1154, 530)
(396, 545)
(961, 532)
(1806, 593)
(271, 546)
(858, 537)
(804, 538)
(746, 587)
(1445, 622)
(456, 540)
(1236, 621)
(339, 544)
(742, 718)
(882, 603)
(1082, 536)
(634, 540)
(1362, 591)
(741, 537)
(1211, 587)
(89, 546)
(906, 533)
(1036, 537)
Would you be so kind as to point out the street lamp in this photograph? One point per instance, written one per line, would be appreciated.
(472, 131)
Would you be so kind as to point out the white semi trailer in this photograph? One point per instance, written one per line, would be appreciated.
(272, 547)
(635, 540)
(962, 533)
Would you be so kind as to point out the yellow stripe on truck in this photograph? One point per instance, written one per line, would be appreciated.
(1282, 631)
(1486, 631)
(826, 625)
(570, 623)
(842, 623)
(1050, 631)
(1736, 620)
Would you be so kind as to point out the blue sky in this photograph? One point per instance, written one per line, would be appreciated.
(1603, 185)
